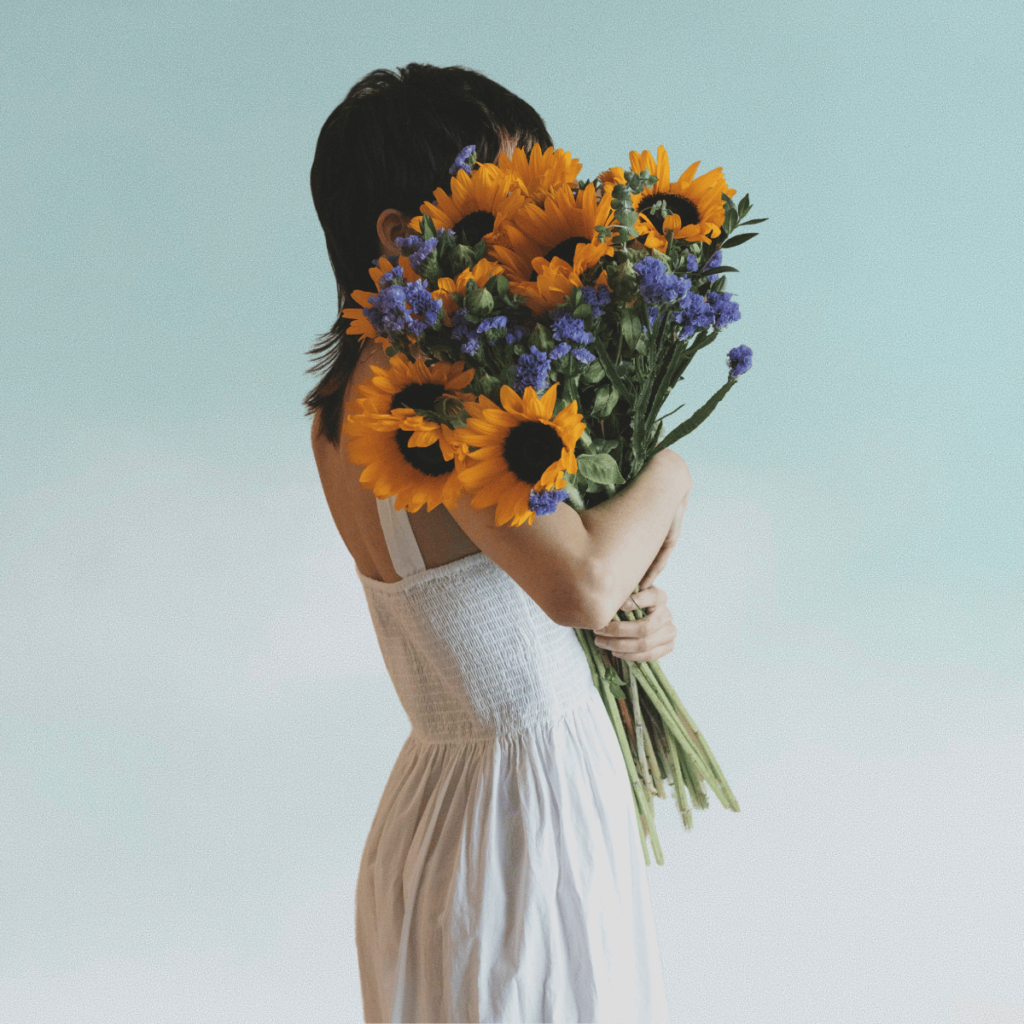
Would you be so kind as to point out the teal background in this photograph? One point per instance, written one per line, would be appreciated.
(196, 723)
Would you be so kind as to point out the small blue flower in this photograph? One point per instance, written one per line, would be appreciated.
(532, 371)
(417, 249)
(725, 311)
(570, 328)
(583, 355)
(656, 284)
(516, 334)
(739, 359)
(543, 503)
(596, 298)
(691, 262)
(693, 315)
(423, 307)
(464, 161)
(493, 327)
(561, 349)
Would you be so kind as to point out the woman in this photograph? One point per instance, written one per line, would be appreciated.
(503, 877)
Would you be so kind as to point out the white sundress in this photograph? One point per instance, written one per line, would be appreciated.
(503, 877)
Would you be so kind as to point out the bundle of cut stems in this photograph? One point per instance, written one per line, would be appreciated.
(659, 739)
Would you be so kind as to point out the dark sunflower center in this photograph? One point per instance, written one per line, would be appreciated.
(474, 226)
(688, 212)
(564, 250)
(530, 448)
(417, 396)
(427, 460)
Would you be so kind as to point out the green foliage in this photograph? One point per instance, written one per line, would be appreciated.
(600, 469)
(479, 301)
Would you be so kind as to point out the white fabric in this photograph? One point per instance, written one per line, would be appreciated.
(398, 535)
(503, 878)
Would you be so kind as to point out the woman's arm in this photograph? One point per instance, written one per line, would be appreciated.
(581, 567)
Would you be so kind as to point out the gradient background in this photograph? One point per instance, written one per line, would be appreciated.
(196, 723)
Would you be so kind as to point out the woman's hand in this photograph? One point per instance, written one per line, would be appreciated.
(645, 639)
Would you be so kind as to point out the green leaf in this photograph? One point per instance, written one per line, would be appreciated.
(500, 285)
(756, 220)
(738, 239)
(697, 418)
(716, 270)
(593, 373)
(631, 327)
(744, 206)
(606, 400)
(479, 301)
(600, 469)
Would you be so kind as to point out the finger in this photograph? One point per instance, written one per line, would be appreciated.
(653, 655)
(646, 597)
(645, 650)
(645, 635)
(637, 627)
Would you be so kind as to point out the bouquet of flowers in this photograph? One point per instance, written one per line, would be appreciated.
(535, 326)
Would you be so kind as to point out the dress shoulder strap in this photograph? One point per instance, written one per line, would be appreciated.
(398, 535)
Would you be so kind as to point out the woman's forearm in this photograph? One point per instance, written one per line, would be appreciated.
(624, 535)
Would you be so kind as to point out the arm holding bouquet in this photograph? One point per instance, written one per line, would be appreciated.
(535, 326)
(581, 567)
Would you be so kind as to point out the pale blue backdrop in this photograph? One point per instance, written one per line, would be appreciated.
(196, 724)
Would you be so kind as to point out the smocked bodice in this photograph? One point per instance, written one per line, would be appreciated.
(472, 655)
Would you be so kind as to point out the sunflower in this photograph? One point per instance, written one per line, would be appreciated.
(695, 208)
(360, 325)
(564, 228)
(522, 448)
(413, 459)
(478, 206)
(542, 172)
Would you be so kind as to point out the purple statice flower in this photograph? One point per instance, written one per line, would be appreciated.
(596, 298)
(470, 334)
(391, 303)
(693, 315)
(656, 284)
(491, 327)
(561, 349)
(532, 370)
(691, 262)
(400, 308)
(423, 307)
(584, 355)
(418, 249)
(724, 310)
(543, 503)
(465, 332)
(394, 275)
(739, 359)
(374, 316)
(570, 328)
(715, 261)
(464, 161)
(516, 334)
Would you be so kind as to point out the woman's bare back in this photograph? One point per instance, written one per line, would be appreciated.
(354, 508)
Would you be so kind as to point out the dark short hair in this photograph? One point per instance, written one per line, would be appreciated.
(390, 144)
